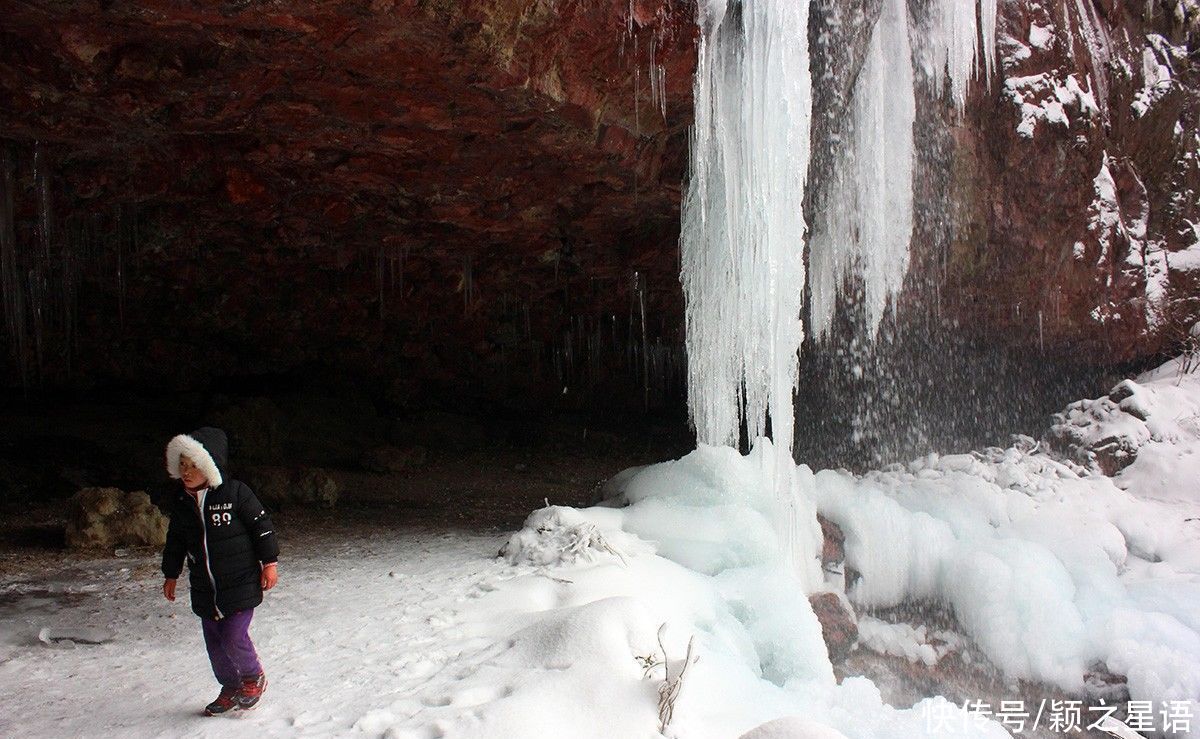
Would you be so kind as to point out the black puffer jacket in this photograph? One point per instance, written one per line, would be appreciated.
(224, 533)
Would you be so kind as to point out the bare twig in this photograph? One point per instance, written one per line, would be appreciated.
(669, 691)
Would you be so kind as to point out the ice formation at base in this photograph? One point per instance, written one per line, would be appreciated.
(1048, 567)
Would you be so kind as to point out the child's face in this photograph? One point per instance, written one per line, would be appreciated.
(190, 474)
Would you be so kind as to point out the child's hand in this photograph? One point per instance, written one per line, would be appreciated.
(269, 576)
(169, 589)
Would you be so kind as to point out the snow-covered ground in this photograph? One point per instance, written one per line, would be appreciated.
(1049, 568)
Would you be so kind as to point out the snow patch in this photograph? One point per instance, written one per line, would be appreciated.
(917, 644)
(1041, 98)
(1157, 74)
(1041, 37)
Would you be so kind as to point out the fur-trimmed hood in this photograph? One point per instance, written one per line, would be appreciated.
(207, 448)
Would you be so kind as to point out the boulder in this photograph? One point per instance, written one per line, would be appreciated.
(106, 518)
(1104, 434)
(280, 486)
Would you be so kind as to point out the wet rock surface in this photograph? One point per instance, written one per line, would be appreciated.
(838, 625)
(1073, 182)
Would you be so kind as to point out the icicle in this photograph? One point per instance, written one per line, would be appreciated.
(41, 179)
(988, 10)
(651, 73)
(380, 268)
(637, 100)
(468, 283)
(630, 347)
(38, 280)
(864, 224)
(121, 236)
(658, 80)
(951, 43)
(11, 287)
(641, 295)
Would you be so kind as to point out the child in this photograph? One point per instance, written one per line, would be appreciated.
(229, 543)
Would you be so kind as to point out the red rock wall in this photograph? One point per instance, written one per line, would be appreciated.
(467, 195)
(426, 192)
(1076, 182)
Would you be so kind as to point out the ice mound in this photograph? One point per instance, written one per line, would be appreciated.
(715, 510)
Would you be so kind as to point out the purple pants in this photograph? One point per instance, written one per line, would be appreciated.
(230, 649)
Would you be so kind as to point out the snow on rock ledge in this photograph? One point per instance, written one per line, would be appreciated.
(1107, 434)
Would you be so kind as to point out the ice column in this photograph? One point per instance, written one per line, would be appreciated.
(742, 242)
(743, 228)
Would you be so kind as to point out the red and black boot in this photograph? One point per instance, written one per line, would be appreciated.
(251, 691)
(225, 702)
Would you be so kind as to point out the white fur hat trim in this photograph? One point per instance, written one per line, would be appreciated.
(184, 445)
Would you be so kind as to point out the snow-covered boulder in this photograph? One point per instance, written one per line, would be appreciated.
(106, 518)
(1156, 413)
(1103, 434)
(557, 535)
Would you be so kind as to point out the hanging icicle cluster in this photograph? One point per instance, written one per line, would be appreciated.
(743, 229)
(863, 224)
(864, 221)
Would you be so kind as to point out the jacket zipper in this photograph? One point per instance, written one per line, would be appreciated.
(204, 547)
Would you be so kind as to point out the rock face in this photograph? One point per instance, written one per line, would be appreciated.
(1075, 181)
(478, 201)
(105, 518)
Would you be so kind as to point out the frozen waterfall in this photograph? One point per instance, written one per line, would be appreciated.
(744, 231)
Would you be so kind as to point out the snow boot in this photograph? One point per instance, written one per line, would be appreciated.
(251, 691)
(225, 702)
